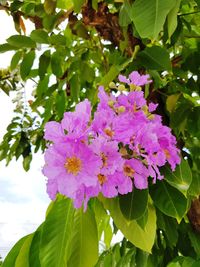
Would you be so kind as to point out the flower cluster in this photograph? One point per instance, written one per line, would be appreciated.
(122, 147)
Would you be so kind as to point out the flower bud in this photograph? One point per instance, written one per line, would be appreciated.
(151, 116)
(111, 103)
(112, 85)
(121, 109)
(121, 87)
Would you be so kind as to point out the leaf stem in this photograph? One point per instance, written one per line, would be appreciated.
(189, 13)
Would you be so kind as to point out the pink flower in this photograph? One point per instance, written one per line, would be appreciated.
(105, 99)
(54, 132)
(109, 155)
(71, 165)
(135, 78)
(84, 158)
(75, 124)
(135, 168)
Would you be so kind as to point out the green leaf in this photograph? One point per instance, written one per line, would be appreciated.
(56, 234)
(172, 18)
(44, 62)
(15, 60)
(39, 36)
(23, 256)
(143, 239)
(26, 64)
(75, 87)
(124, 14)
(169, 226)
(155, 58)
(57, 64)
(87, 73)
(49, 6)
(61, 103)
(77, 5)
(21, 41)
(63, 4)
(149, 16)
(57, 39)
(42, 86)
(7, 47)
(195, 241)
(174, 264)
(194, 189)
(26, 162)
(84, 246)
(142, 221)
(12, 255)
(133, 205)
(169, 200)
(181, 178)
(171, 102)
(35, 248)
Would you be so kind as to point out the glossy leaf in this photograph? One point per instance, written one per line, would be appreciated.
(133, 205)
(12, 255)
(143, 239)
(169, 200)
(65, 4)
(194, 189)
(124, 14)
(26, 64)
(39, 36)
(77, 5)
(155, 58)
(15, 59)
(171, 102)
(56, 234)
(34, 259)
(149, 16)
(44, 62)
(181, 178)
(172, 18)
(22, 259)
(21, 41)
(84, 246)
(7, 47)
(195, 241)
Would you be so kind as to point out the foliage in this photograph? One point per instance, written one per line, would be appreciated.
(75, 46)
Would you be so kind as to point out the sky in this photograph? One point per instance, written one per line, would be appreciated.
(23, 197)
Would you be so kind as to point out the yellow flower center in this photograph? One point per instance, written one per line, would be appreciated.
(167, 154)
(128, 171)
(104, 159)
(102, 178)
(108, 132)
(73, 165)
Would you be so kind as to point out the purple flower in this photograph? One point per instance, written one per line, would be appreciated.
(84, 158)
(54, 132)
(117, 183)
(105, 100)
(135, 78)
(71, 165)
(75, 124)
(109, 155)
(135, 168)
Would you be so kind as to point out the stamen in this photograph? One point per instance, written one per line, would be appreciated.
(109, 132)
(73, 165)
(102, 178)
(128, 171)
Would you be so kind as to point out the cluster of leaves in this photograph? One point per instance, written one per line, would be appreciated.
(70, 237)
(75, 46)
